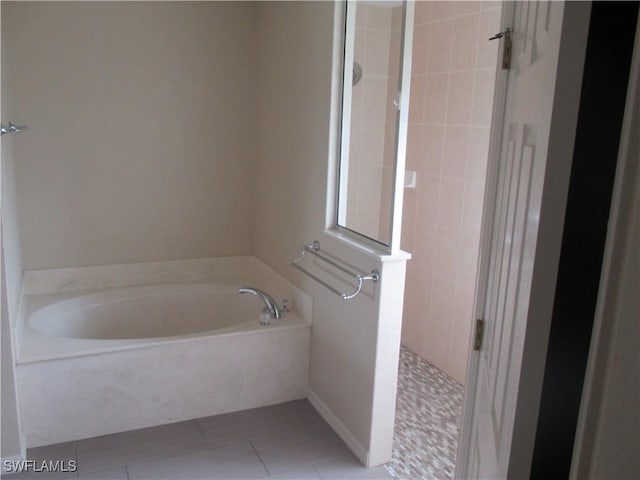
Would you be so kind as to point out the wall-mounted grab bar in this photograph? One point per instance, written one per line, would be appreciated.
(314, 249)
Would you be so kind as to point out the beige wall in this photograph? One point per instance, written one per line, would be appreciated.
(10, 276)
(10, 442)
(450, 112)
(290, 174)
(141, 129)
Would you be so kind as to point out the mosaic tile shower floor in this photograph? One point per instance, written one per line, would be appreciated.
(428, 410)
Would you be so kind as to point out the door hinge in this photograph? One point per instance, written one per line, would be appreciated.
(477, 341)
(506, 51)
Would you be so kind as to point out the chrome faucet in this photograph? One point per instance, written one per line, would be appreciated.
(272, 309)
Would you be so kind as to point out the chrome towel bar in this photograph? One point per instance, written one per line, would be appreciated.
(12, 129)
(314, 249)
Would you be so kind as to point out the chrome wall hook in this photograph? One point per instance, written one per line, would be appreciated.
(12, 128)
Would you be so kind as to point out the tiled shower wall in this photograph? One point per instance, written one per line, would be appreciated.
(452, 87)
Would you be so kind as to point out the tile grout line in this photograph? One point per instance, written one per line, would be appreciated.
(154, 458)
(317, 471)
(201, 431)
(255, 450)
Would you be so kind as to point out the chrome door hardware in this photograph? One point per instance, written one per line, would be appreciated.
(506, 52)
(477, 341)
(12, 129)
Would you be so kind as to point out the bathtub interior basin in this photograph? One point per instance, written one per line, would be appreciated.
(147, 312)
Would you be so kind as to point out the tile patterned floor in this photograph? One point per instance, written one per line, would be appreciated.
(428, 411)
(287, 441)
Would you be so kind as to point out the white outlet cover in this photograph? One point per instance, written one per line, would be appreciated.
(409, 179)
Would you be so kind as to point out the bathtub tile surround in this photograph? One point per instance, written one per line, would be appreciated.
(152, 385)
(448, 142)
(96, 387)
(428, 416)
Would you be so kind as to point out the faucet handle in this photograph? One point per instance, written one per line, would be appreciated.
(265, 317)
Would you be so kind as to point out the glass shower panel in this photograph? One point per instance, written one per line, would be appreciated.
(372, 76)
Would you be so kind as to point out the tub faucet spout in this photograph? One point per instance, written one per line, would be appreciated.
(271, 306)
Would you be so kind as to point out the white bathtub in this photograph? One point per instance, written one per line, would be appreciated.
(115, 359)
(150, 312)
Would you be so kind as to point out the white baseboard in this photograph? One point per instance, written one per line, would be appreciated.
(343, 432)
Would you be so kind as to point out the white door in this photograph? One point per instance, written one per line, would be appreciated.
(522, 232)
